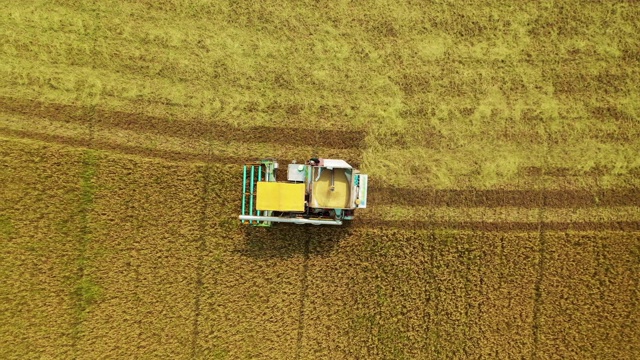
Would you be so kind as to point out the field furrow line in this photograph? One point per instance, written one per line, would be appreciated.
(303, 297)
(385, 195)
(85, 288)
(542, 228)
(563, 172)
(431, 287)
(202, 247)
(163, 147)
(462, 199)
(494, 198)
(192, 129)
(501, 214)
(98, 144)
(499, 227)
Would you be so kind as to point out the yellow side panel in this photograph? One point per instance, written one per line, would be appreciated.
(278, 196)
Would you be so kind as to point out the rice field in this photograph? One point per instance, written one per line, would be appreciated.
(501, 140)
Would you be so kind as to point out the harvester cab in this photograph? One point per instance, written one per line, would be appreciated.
(318, 192)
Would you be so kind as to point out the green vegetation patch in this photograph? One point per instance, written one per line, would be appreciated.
(6, 227)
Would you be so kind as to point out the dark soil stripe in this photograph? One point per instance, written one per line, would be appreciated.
(202, 247)
(304, 281)
(384, 195)
(192, 129)
(607, 113)
(483, 226)
(124, 149)
(480, 226)
(613, 81)
(541, 266)
(169, 155)
(560, 171)
(500, 198)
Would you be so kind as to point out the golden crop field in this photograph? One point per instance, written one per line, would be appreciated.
(501, 139)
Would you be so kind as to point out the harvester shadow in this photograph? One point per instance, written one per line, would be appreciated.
(291, 240)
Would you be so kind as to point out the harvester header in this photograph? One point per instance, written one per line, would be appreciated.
(318, 192)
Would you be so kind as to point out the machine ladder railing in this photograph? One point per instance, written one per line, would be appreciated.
(252, 174)
(249, 186)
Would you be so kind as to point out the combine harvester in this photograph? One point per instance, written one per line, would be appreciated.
(319, 192)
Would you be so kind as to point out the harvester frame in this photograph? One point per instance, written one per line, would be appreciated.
(318, 192)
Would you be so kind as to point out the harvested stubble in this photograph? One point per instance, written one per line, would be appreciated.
(401, 294)
(145, 226)
(250, 291)
(41, 230)
(588, 304)
(178, 278)
(251, 295)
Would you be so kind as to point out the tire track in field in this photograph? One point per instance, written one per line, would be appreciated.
(144, 152)
(411, 197)
(494, 198)
(202, 245)
(84, 288)
(191, 129)
(304, 285)
(542, 250)
(431, 288)
(118, 148)
(498, 227)
(537, 288)
(563, 171)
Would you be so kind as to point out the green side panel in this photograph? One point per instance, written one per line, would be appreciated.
(259, 179)
(244, 190)
(251, 194)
